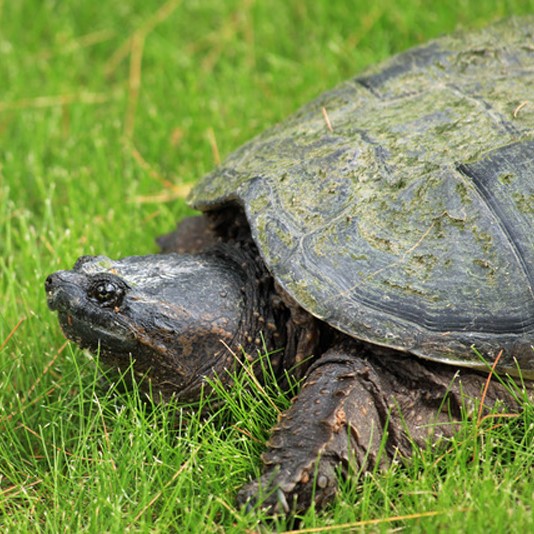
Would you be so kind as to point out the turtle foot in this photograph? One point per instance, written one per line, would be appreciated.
(279, 493)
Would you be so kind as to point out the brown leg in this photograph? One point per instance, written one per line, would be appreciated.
(355, 411)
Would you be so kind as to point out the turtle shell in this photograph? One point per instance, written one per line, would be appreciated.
(399, 206)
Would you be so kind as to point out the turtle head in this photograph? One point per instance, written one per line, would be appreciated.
(178, 318)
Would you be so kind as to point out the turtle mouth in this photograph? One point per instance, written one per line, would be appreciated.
(111, 336)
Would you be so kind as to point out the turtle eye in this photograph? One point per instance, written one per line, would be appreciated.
(108, 292)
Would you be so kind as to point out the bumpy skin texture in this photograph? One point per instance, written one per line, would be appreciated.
(409, 227)
(352, 401)
(179, 317)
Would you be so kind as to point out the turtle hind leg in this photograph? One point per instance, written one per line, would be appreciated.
(356, 411)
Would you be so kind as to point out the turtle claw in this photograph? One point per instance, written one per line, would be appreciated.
(267, 495)
(254, 496)
(280, 492)
(282, 500)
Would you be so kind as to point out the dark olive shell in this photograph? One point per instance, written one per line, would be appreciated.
(399, 206)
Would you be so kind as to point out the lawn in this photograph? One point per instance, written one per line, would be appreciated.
(108, 113)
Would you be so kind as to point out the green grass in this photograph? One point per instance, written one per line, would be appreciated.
(80, 145)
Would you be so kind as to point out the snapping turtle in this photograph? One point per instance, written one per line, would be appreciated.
(377, 236)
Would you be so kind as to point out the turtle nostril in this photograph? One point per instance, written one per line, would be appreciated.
(49, 282)
(52, 284)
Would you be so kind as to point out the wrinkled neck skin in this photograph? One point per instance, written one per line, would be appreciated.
(180, 319)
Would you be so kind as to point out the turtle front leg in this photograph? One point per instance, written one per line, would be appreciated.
(311, 438)
(355, 411)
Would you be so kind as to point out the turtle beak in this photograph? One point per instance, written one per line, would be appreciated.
(62, 290)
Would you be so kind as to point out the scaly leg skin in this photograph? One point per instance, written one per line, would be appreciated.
(348, 401)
